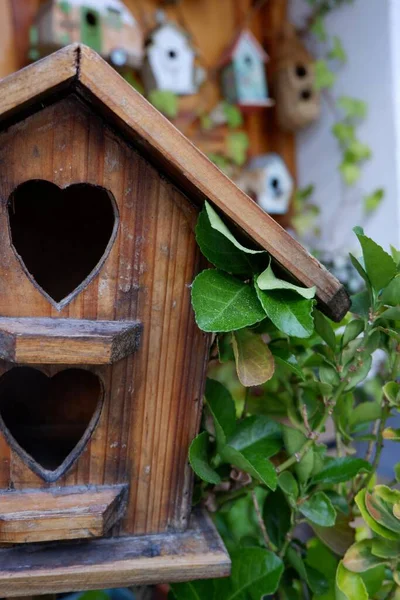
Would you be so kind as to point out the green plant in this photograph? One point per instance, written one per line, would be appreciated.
(297, 521)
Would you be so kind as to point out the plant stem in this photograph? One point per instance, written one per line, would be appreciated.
(261, 523)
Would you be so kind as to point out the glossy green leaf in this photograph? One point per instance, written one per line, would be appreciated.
(359, 374)
(352, 331)
(379, 265)
(324, 329)
(359, 268)
(392, 392)
(380, 504)
(391, 294)
(364, 413)
(267, 281)
(360, 304)
(294, 441)
(222, 409)
(288, 362)
(338, 470)
(223, 303)
(193, 590)
(338, 538)
(349, 586)
(288, 484)
(392, 314)
(319, 510)
(220, 247)
(198, 458)
(387, 549)
(276, 516)
(371, 522)
(289, 313)
(254, 361)
(373, 579)
(359, 557)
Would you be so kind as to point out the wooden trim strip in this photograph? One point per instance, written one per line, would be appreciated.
(197, 553)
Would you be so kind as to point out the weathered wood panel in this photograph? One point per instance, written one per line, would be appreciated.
(152, 399)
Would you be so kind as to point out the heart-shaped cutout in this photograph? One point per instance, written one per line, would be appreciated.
(48, 421)
(61, 237)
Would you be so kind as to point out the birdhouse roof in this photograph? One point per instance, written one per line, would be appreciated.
(78, 70)
(230, 51)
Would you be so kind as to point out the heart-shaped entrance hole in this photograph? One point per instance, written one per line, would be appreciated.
(48, 421)
(62, 237)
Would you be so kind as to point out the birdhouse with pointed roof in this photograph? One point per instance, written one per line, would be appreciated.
(102, 365)
(243, 76)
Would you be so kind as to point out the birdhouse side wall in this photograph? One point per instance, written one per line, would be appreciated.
(152, 399)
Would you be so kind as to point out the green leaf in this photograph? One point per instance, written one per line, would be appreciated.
(391, 294)
(318, 29)
(391, 434)
(254, 361)
(255, 440)
(364, 413)
(344, 133)
(357, 152)
(353, 108)
(379, 265)
(351, 172)
(352, 331)
(94, 595)
(324, 329)
(392, 314)
(267, 281)
(395, 254)
(339, 537)
(386, 549)
(319, 510)
(361, 304)
(371, 522)
(289, 362)
(193, 590)
(276, 515)
(198, 458)
(373, 580)
(294, 440)
(221, 248)
(255, 573)
(397, 472)
(338, 470)
(238, 144)
(359, 557)
(288, 484)
(232, 114)
(165, 101)
(382, 510)
(349, 586)
(324, 77)
(359, 374)
(289, 313)
(223, 303)
(337, 52)
(373, 201)
(222, 408)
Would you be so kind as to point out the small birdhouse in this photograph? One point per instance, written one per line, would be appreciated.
(102, 365)
(169, 63)
(297, 99)
(267, 180)
(243, 77)
(107, 26)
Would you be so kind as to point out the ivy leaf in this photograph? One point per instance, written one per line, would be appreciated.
(357, 152)
(344, 133)
(222, 409)
(351, 172)
(221, 248)
(198, 458)
(267, 281)
(391, 294)
(319, 510)
(256, 572)
(349, 586)
(254, 361)
(337, 52)
(353, 108)
(289, 313)
(338, 470)
(359, 557)
(372, 201)
(256, 439)
(223, 303)
(232, 115)
(324, 77)
(238, 144)
(165, 101)
(319, 30)
(379, 265)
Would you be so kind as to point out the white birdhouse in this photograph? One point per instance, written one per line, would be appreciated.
(267, 180)
(170, 61)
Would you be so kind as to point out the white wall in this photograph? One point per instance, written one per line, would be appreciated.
(369, 30)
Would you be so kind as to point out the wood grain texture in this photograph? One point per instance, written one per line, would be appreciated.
(197, 553)
(62, 514)
(152, 399)
(8, 52)
(67, 341)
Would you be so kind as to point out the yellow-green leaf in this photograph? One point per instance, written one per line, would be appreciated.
(254, 361)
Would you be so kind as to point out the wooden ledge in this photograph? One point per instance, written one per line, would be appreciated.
(197, 553)
(29, 340)
(60, 514)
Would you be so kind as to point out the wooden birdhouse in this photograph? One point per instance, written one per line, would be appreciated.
(298, 102)
(107, 26)
(102, 365)
(243, 76)
(170, 61)
(267, 180)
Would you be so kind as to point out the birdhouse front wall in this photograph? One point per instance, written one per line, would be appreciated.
(148, 404)
(249, 73)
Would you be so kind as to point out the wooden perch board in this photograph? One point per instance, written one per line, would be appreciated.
(29, 340)
(60, 514)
